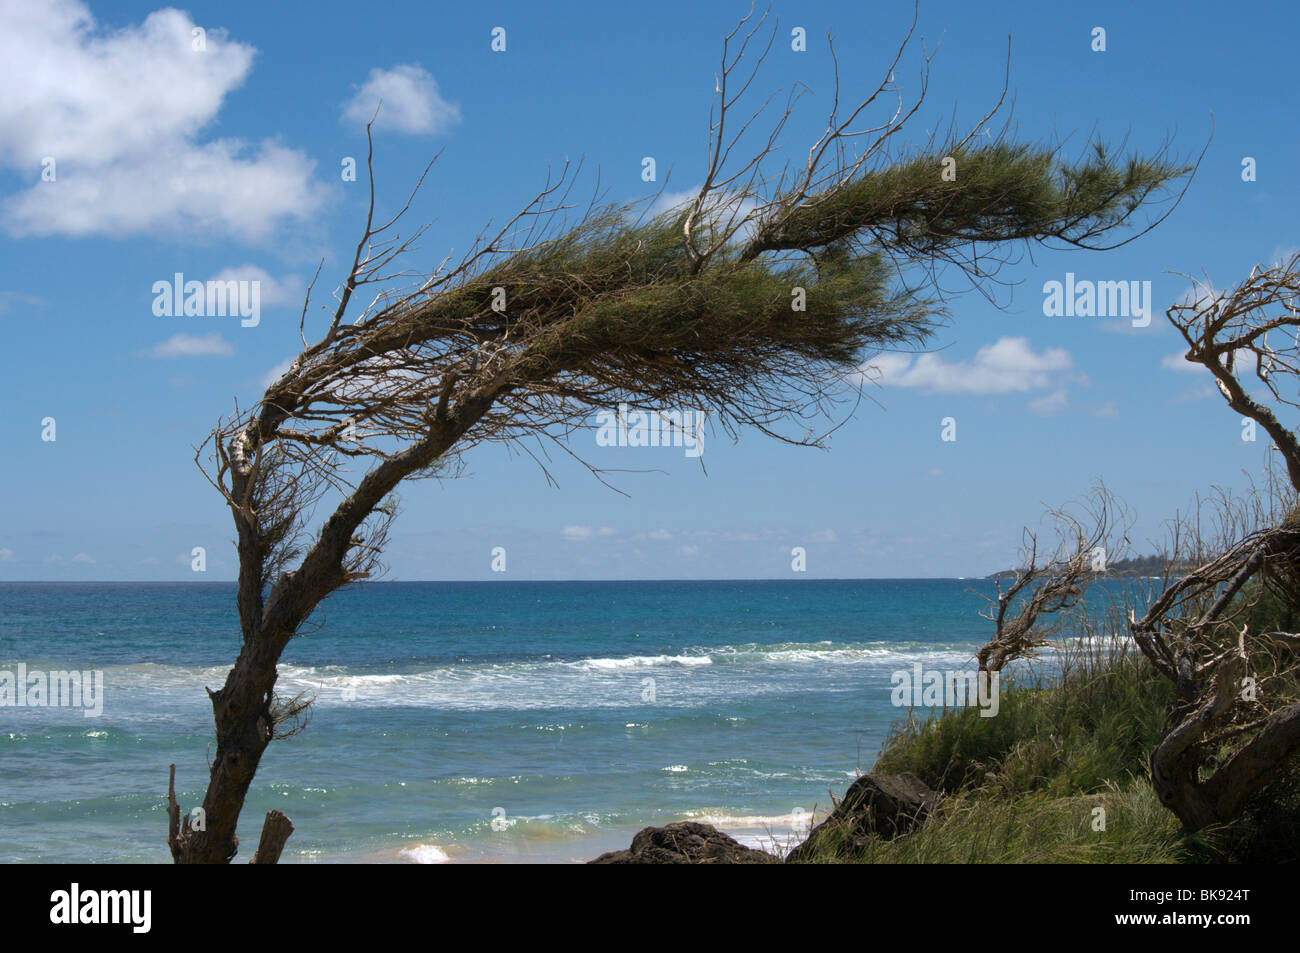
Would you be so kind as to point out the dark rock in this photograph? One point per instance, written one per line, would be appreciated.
(875, 805)
(685, 843)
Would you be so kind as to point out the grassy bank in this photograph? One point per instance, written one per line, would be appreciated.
(1025, 786)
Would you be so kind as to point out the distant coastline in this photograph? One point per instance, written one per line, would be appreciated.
(1148, 567)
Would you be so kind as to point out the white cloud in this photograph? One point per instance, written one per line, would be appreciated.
(1202, 294)
(372, 380)
(7, 556)
(586, 532)
(1283, 254)
(407, 98)
(1175, 362)
(1196, 393)
(672, 201)
(721, 207)
(1050, 404)
(660, 535)
(286, 292)
(193, 345)
(120, 111)
(275, 373)
(84, 559)
(1009, 365)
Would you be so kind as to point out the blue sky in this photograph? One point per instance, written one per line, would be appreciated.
(229, 161)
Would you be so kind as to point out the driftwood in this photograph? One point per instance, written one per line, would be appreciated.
(1047, 585)
(275, 831)
(1191, 632)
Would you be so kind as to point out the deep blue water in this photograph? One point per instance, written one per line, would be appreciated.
(574, 710)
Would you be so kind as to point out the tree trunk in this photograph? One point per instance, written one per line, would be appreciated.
(242, 712)
(275, 831)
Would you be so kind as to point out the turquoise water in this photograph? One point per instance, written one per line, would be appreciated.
(568, 713)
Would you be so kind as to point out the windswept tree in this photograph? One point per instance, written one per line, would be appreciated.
(756, 302)
(1235, 724)
(1047, 583)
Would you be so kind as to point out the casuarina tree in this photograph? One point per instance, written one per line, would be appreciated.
(756, 301)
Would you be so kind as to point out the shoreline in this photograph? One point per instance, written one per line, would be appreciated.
(774, 835)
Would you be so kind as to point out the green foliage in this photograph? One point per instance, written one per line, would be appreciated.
(1098, 725)
(1002, 192)
(613, 299)
(1022, 787)
(975, 827)
(1270, 608)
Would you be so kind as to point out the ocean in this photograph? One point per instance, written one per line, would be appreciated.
(472, 722)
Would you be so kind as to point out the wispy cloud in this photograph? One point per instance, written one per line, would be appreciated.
(193, 345)
(284, 292)
(275, 373)
(1009, 365)
(1050, 404)
(1178, 362)
(408, 101)
(11, 300)
(1283, 254)
(586, 532)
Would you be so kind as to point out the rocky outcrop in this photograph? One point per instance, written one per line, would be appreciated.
(685, 843)
(875, 805)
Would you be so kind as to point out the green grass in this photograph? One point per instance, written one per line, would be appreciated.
(1024, 786)
(1095, 727)
(980, 827)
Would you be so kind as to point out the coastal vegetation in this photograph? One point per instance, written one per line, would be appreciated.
(1062, 776)
(1172, 729)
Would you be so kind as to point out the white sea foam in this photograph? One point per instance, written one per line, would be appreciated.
(641, 661)
(426, 854)
(741, 670)
(772, 844)
(776, 822)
